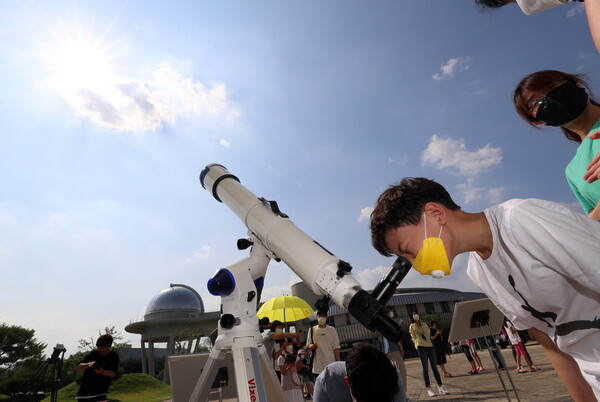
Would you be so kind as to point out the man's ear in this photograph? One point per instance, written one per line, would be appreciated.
(347, 381)
(436, 211)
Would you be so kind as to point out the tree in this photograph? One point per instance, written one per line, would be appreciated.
(88, 346)
(16, 345)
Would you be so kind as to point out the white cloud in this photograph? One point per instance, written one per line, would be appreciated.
(201, 254)
(224, 142)
(575, 9)
(471, 193)
(451, 67)
(274, 291)
(365, 213)
(370, 277)
(450, 153)
(129, 105)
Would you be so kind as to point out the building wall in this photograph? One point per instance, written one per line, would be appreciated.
(422, 300)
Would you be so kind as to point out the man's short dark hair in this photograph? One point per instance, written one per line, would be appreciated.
(104, 340)
(402, 204)
(371, 374)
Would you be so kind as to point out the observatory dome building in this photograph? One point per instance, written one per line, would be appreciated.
(174, 316)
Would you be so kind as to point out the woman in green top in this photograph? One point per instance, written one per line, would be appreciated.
(555, 98)
(420, 334)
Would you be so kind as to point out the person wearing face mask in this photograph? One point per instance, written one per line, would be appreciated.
(536, 260)
(276, 340)
(324, 343)
(440, 347)
(421, 337)
(289, 364)
(555, 98)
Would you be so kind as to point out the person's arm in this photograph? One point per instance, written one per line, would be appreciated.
(401, 348)
(566, 367)
(595, 213)
(436, 335)
(83, 366)
(105, 372)
(413, 334)
(592, 10)
(336, 353)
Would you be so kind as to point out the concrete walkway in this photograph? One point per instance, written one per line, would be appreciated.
(542, 385)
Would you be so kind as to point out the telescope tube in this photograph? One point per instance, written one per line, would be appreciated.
(318, 268)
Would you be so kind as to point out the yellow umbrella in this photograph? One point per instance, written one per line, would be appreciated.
(285, 309)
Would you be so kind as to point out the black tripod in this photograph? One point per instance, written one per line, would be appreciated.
(55, 362)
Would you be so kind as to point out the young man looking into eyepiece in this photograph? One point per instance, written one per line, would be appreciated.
(536, 260)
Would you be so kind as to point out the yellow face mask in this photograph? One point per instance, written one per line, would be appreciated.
(432, 258)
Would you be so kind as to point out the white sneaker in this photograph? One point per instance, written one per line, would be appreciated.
(443, 390)
(430, 392)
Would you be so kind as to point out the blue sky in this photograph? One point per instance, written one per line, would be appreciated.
(110, 110)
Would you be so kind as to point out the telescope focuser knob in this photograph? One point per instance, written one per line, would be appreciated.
(243, 244)
(343, 268)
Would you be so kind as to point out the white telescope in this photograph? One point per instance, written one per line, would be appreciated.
(321, 270)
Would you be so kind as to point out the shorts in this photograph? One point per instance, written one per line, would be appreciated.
(519, 349)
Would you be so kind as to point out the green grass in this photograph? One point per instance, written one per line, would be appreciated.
(129, 387)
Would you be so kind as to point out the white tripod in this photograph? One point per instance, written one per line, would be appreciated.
(239, 332)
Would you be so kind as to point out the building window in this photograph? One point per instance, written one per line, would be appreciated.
(445, 307)
(429, 308)
(410, 308)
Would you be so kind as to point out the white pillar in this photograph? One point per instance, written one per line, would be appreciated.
(170, 351)
(144, 361)
(151, 357)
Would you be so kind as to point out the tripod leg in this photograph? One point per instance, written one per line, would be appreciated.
(274, 390)
(200, 393)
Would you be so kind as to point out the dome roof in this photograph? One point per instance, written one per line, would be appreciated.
(174, 301)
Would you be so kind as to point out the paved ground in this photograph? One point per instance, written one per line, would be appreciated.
(542, 385)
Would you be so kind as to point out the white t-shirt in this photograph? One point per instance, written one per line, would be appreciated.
(326, 340)
(544, 273)
(513, 337)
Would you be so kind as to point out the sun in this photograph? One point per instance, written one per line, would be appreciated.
(77, 60)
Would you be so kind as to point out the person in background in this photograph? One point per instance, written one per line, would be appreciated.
(275, 342)
(307, 384)
(100, 367)
(421, 337)
(289, 364)
(440, 347)
(367, 375)
(467, 351)
(395, 352)
(323, 341)
(515, 341)
(473, 350)
(555, 98)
